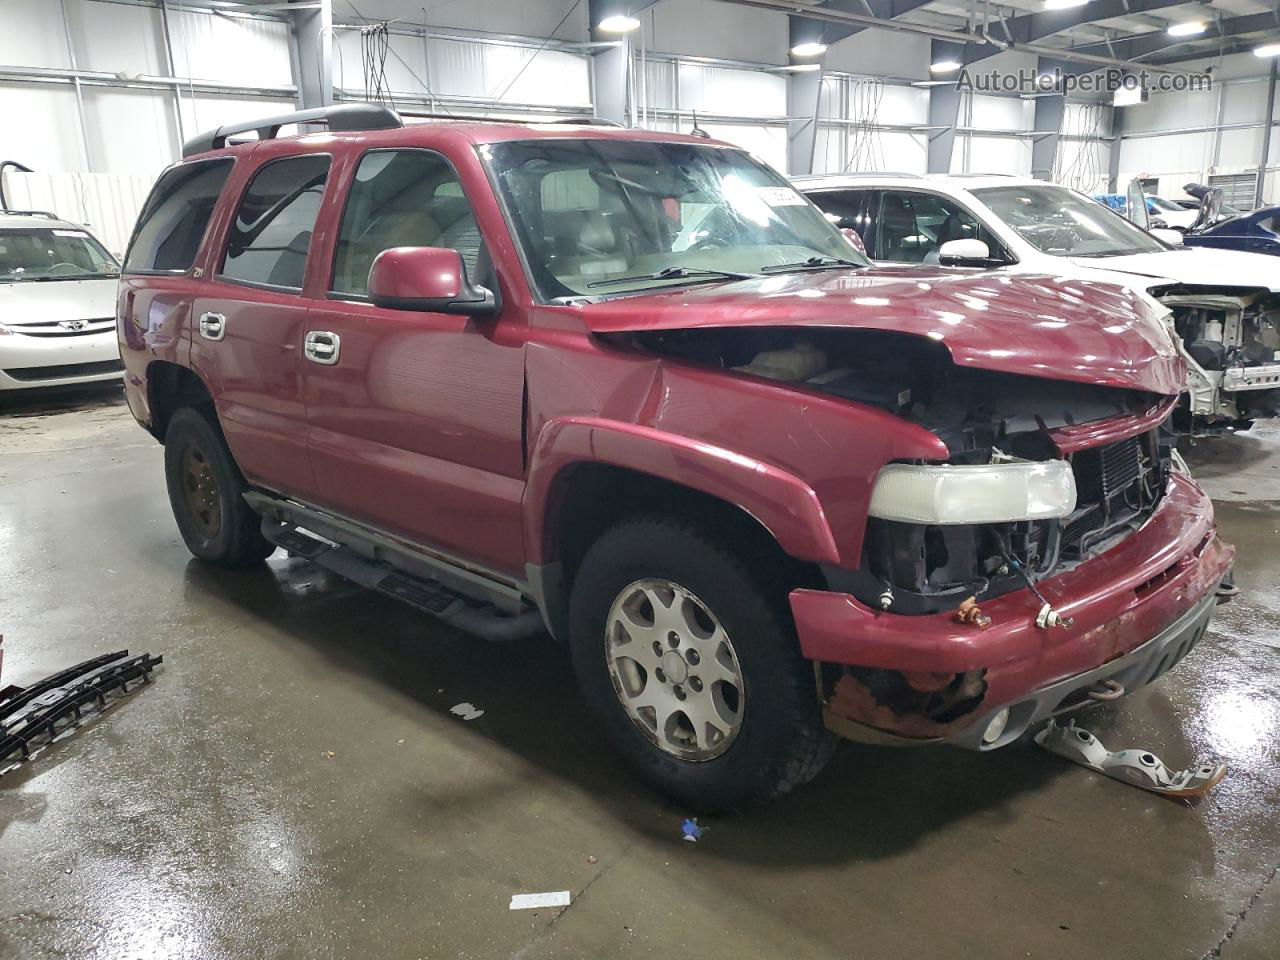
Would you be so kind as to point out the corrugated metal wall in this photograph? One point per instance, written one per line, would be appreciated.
(106, 203)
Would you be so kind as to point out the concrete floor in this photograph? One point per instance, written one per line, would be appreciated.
(294, 784)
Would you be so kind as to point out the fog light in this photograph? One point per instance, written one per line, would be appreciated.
(995, 727)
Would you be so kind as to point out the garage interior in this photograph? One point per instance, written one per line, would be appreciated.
(320, 771)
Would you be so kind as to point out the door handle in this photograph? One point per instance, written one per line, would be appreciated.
(321, 346)
(213, 326)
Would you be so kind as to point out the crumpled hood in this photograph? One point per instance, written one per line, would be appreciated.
(1198, 266)
(1060, 329)
(34, 301)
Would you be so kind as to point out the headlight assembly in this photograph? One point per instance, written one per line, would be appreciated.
(988, 493)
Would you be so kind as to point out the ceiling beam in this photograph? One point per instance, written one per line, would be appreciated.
(1032, 27)
(1159, 42)
(808, 30)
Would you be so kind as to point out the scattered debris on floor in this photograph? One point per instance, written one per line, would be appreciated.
(532, 901)
(1138, 768)
(33, 716)
(690, 830)
(467, 711)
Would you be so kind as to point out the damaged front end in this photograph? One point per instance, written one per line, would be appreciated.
(1231, 342)
(1042, 476)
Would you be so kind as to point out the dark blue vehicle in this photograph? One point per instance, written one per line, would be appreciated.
(1256, 232)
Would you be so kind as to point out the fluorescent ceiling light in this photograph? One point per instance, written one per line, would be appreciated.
(813, 49)
(1187, 29)
(618, 23)
(945, 66)
(1269, 50)
(1063, 4)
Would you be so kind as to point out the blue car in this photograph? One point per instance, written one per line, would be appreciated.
(1256, 232)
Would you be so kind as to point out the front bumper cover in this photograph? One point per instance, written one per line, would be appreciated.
(1146, 594)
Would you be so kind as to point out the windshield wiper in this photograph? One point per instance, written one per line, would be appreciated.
(676, 273)
(813, 263)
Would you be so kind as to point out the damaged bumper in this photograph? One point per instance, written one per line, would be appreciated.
(1135, 610)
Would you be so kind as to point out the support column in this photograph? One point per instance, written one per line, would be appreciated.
(1267, 123)
(610, 66)
(944, 112)
(313, 29)
(803, 93)
(1048, 125)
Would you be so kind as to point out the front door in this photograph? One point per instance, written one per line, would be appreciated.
(415, 419)
(247, 324)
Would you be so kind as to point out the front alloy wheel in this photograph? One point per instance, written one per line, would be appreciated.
(674, 669)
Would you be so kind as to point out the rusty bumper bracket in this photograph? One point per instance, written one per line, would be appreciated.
(1138, 768)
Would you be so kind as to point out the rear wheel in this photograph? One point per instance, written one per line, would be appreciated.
(206, 492)
(693, 667)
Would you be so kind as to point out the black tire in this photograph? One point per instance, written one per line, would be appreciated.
(216, 523)
(781, 742)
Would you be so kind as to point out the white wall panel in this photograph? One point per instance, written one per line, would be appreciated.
(31, 34)
(1083, 165)
(897, 152)
(709, 28)
(767, 143)
(902, 104)
(406, 65)
(729, 91)
(828, 153)
(107, 204)
(991, 155)
(879, 53)
(1178, 152)
(1244, 102)
(1240, 148)
(517, 17)
(240, 50)
(661, 78)
(1170, 111)
(1077, 117)
(1002, 113)
(129, 131)
(463, 69)
(117, 37)
(41, 127)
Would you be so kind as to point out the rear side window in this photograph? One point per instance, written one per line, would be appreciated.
(174, 219)
(269, 240)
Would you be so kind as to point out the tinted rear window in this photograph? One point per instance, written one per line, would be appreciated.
(174, 219)
(269, 240)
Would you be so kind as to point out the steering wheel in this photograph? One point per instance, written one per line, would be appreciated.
(64, 267)
(710, 242)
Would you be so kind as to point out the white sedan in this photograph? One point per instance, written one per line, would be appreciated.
(57, 304)
(1225, 304)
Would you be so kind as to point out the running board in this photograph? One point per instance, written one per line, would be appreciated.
(427, 594)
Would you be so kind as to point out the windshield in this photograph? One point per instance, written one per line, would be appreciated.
(1062, 223)
(52, 254)
(1160, 204)
(607, 216)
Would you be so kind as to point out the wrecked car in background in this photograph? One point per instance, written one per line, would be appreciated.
(1225, 305)
(633, 389)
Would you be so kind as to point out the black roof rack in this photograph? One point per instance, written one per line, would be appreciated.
(472, 118)
(345, 116)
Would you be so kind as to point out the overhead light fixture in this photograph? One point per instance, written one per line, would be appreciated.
(797, 68)
(945, 66)
(1063, 4)
(811, 49)
(1267, 50)
(1187, 29)
(618, 23)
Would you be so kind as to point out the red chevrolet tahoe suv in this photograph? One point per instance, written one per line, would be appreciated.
(633, 390)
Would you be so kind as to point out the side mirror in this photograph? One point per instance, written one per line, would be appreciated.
(1168, 235)
(433, 279)
(966, 253)
(855, 240)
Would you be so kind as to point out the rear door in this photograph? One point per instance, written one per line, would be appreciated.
(415, 418)
(247, 324)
